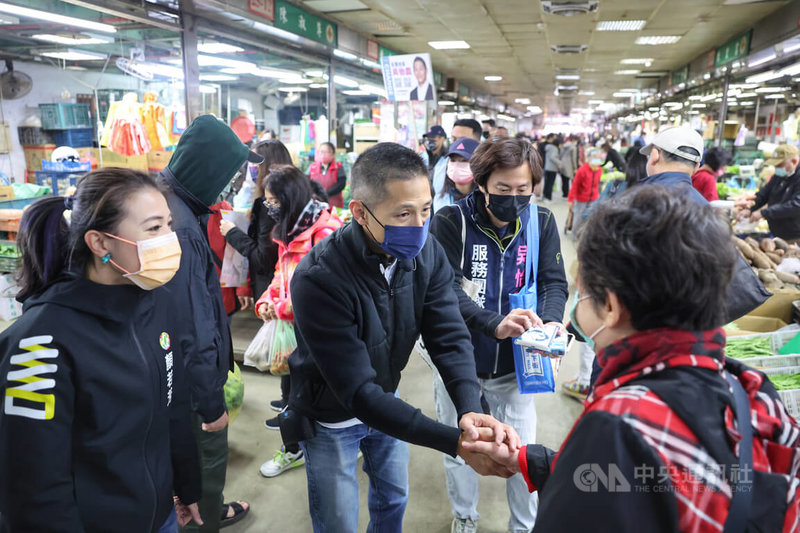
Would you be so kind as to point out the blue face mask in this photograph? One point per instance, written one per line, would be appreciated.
(402, 242)
(588, 338)
(781, 172)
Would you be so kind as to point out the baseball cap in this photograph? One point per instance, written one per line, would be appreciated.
(435, 131)
(673, 139)
(781, 154)
(464, 147)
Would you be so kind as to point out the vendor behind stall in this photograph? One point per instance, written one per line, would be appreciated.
(778, 200)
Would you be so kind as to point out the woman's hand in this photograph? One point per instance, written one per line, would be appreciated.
(225, 226)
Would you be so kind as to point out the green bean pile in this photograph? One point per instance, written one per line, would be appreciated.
(740, 348)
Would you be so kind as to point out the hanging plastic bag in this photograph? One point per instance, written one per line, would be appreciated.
(258, 352)
(234, 392)
(282, 347)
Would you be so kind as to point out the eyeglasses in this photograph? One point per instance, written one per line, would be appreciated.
(273, 205)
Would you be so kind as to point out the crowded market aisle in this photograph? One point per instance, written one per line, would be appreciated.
(281, 504)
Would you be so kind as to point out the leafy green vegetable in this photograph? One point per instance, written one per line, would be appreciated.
(786, 381)
(744, 348)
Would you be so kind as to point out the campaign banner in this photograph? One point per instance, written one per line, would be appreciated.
(408, 77)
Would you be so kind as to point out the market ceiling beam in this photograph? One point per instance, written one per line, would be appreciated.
(110, 8)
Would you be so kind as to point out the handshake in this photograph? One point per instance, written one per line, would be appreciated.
(490, 447)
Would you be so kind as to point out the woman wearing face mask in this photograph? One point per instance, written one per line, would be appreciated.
(705, 179)
(585, 187)
(489, 262)
(459, 182)
(300, 222)
(95, 434)
(330, 174)
(675, 436)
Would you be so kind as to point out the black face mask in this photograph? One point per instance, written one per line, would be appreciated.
(486, 134)
(273, 211)
(431, 145)
(508, 208)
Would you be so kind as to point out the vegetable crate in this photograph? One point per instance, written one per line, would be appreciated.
(58, 182)
(32, 136)
(9, 263)
(777, 340)
(790, 398)
(17, 203)
(65, 116)
(76, 138)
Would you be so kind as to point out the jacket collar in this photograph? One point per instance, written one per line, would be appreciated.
(667, 178)
(195, 205)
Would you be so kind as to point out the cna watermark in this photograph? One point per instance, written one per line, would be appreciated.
(593, 477)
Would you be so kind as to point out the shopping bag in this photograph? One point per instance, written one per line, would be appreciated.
(234, 392)
(258, 352)
(535, 372)
(283, 345)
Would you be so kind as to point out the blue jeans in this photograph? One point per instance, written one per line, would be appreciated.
(331, 468)
(171, 525)
(510, 407)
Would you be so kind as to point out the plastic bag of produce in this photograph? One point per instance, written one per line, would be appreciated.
(234, 392)
(258, 353)
(282, 347)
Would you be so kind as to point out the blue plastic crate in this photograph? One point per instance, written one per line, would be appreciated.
(76, 138)
(66, 166)
(17, 203)
(58, 182)
(65, 116)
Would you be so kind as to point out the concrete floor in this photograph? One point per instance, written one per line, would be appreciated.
(280, 504)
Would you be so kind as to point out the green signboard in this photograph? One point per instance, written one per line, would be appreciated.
(296, 20)
(680, 76)
(732, 50)
(385, 52)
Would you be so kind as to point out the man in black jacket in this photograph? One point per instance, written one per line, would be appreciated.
(779, 200)
(195, 181)
(361, 298)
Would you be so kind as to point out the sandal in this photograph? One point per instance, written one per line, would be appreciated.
(239, 512)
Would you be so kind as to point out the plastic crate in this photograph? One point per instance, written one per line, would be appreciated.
(76, 138)
(58, 182)
(65, 116)
(789, 398)
(17, 203)
(66, 166)
(777, 340)
(9, 263)
(33, 136)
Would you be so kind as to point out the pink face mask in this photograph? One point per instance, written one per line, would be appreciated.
(459, 172)
(326, 159)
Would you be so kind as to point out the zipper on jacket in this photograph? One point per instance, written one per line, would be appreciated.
(147, 434)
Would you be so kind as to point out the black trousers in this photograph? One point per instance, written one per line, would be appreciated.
(549, 181)
(565, 186)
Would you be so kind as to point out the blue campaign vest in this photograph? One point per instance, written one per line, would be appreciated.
(501, 273)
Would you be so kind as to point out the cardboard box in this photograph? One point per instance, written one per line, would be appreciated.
(158, 160)
(779, 305)
(6, 192)
(113, 159)
(750, 324)
(35, 154)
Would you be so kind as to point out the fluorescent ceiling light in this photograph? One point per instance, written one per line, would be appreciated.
(761, 60)
(596, 102)
(293, 89)
(585, 93)
(749, 102)
(773, 97)
(207, 89)
(620, 25)
(73, 39)
(448, 45)
(764, 76)
(346, 82)
(772, 89)
(493, 78)
(568, 77)
(159, 69)
(501, 116)
(294, 80)
(747, 95)
(314, 73)
(656, 40)
(535, 109)
(791, 48)
(217, 77)
(792, 70)
(374, 89)
(744, 85)
(344, 55)
(638, 61)
(523, 101)
(699, 106)
(8, 19)
(696, 97)
(54, 18)
(446, 102)
(319, 86)
(567, 87)
(626, 72)
(369, 63)
(211, 47)
(623, 95)
(73, 55)
(216, 61)
(355, 92)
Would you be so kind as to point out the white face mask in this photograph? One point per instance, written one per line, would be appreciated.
(159, 260)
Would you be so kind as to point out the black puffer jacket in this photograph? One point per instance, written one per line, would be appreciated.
(94, 401)
(355, 333)
(781, 195)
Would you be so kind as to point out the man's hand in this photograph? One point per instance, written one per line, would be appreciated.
(187, 513)
(473, 423)
(225, 226)
(245, 302)
(481, 463)
(485, 445)
(515, 323)
(744, 203)
(755, 217)
(217, 425)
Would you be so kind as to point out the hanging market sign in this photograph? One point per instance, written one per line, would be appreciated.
(680, 76)
(299, 21)
(262, 8)
(408, 77)
(732, 50)
(372, 50)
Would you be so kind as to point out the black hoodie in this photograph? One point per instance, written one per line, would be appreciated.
(94, 400)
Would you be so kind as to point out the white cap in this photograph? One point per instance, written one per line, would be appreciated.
(673, 139)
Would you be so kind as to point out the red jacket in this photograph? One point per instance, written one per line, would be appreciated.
(585, 185)
(706, 184)
(217, 243)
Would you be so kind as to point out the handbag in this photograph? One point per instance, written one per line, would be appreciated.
(535, 372)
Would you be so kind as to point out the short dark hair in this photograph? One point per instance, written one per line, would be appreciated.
(717, 157)
(424, 64)
(669, 157)
(668, 259)
(292, 188)
(380, 164)
(490, 122)
(477, 130)
(329, 145)
(504, 153)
